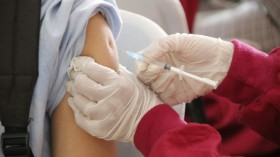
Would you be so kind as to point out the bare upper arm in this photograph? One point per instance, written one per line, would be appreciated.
(68, 139)
(100, 43)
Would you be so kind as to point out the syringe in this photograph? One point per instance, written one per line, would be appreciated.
(180, 71)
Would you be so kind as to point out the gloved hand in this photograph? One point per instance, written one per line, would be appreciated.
(201, 55)
(106, 104)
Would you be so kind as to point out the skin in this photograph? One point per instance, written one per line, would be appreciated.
(68, 139)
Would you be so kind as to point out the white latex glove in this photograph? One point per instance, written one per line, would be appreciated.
(106, 104)
(201, 55)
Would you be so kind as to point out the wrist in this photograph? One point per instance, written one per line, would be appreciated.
(223, 59)
(249, 69)
(154, 123)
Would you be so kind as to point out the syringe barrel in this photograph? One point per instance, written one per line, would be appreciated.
(212, 83)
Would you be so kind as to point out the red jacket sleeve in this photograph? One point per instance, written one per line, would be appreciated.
(253, 81)
(161, 133)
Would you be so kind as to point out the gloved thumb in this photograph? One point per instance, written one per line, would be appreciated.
(77, 64)
(71, 88)
(87, 66)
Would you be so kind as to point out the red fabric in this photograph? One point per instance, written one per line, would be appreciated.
(252, 81)
(237, 139)
(161, 133)
(256, 78)
(151, 132)
(190, 7)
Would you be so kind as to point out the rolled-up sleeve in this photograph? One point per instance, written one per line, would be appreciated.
(62, 36)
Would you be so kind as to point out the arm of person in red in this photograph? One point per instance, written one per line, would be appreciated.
(253, 81)
(164, 134)
(161, 133)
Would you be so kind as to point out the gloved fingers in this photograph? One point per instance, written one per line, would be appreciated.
(103, 129)
(100, 73)
(124, 72)
(88, 88)
(73, 107)
(168, 96)
(160, 49)
(77, 64)
(164, 80)
(91, 109)
(94, 110)
(150, 74)
(172, 99)
(91, 89)
(107, 127)
(198, 48)
(185, 93)
(81, 103)
(94, 127)
(93, 70)
(73, 74)
(176, 93)
(199, 88)
(71, 88)
(90, 126)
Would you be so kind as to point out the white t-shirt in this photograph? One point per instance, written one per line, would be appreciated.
(62, 35)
